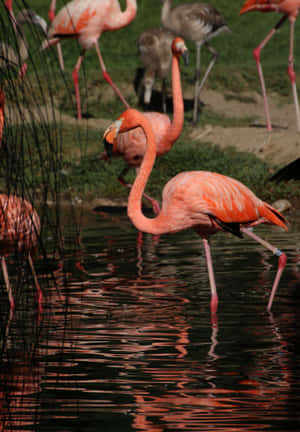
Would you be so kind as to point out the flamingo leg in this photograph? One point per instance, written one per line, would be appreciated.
(107, 77)
(8, 287)
(8, 5)
(292, 74)
(154, 203)
(164, 95)
(214, 56)
(60, 57)
(212, 282)
(281, 261)
(195, 112)
(51, 15)
(75, 76)
(36, 283)
(256, 55)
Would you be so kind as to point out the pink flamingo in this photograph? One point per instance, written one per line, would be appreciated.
(86, 20)
(19, 228)
(205, 201)
(131, 145)
(290, 9)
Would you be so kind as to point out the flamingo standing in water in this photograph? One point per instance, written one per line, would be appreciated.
(132, 144)
(289, 9)
(205, 201)
(86, 20)
(19, 228)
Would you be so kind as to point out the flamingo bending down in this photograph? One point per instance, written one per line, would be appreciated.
(197, 22)
(86, 20)
(205, 201)
(132, 144)
(290, 9)
(19, 229)
(8, 56)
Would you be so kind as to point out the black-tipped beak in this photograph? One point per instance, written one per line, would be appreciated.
(108, 148)
(185, 56)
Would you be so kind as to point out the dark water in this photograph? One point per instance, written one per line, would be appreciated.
(125, 341)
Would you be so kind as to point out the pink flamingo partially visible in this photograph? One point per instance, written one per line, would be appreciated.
(86, 20)
(289, 9)
(205, 201)
(132, 144)
(19, 229)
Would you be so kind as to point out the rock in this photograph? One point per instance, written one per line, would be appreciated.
(282, 205)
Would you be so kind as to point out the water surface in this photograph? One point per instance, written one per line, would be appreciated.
(125, 341)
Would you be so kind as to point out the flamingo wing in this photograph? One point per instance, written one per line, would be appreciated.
(73, 18)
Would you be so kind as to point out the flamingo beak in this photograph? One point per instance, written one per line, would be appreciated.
(108, 149)
(41, 22)
(185, 56)
(109, 138)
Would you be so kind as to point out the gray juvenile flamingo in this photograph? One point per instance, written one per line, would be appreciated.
(197, 22)
(154, 47)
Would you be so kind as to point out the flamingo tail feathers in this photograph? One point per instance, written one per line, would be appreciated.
(273, 216)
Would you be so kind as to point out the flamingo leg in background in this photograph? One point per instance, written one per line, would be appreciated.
(8, 5)
(281, 261)
(291, 72)
(36, 283)
(51, 15)
(107, 77)
(198, 87)
(256, 55)
(154, 203)
(196, 94)
(7, 284)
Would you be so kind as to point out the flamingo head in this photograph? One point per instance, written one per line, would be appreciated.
(179, 48)
(130, 119)
(110, 139)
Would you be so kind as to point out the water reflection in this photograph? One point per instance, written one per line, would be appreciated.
(125, 341)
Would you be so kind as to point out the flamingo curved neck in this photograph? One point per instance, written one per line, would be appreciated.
(124, 18)
(176, 126)
(134, 209)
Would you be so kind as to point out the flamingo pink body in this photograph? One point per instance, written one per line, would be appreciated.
(86, 20)
(19, 227)
(205, 201)
(132, 144)
(290, 10)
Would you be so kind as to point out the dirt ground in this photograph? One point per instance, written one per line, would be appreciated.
(280, 146)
